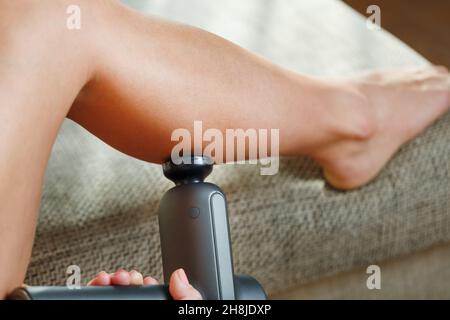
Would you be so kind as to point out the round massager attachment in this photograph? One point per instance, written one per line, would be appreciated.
(193, 169)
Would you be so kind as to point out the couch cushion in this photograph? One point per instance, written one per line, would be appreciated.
(99, 206)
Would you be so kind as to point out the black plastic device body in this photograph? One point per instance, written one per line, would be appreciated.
(195, 236)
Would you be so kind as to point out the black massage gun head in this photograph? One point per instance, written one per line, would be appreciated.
(193, 169)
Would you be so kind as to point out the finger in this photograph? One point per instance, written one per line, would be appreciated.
(102, 279)
(136, 278)
(181, 289)
(120, 278)
(150, 281)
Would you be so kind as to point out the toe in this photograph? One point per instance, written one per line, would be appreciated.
(441, 69)
(181, 289)
(121, 278)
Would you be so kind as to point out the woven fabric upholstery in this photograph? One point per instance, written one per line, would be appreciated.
(99, 206)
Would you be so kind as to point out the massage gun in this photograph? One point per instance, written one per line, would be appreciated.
(194, 232)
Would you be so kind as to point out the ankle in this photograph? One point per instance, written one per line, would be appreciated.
(347, 116)
(352, 113)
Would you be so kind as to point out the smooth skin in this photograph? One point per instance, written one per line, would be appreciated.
(132, 79)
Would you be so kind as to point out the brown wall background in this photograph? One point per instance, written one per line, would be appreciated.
(422, 24)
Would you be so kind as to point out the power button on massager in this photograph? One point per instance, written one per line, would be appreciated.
(194, 212)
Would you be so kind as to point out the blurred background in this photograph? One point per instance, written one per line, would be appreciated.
(422, 24)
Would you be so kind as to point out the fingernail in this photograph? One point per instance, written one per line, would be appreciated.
(182, 276)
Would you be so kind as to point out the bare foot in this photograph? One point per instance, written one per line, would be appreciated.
(179, 287)
(398, 105)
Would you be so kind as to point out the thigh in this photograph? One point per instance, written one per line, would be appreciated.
(41, 72)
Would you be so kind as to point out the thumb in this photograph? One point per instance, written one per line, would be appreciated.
(181, 289)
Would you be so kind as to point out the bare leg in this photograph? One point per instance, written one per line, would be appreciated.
(132, 80)
(160, 76)
(39, 81)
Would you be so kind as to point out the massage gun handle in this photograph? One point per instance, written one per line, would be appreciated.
(159, 292)
(247, 288)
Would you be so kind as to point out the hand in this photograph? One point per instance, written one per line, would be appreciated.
(179, 286)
